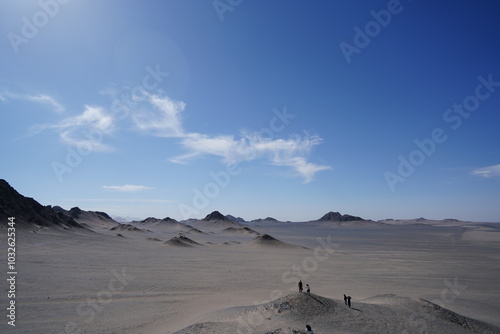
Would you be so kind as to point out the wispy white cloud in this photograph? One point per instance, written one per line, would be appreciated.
(85, 131)
(487, 172)
(226, 147)
(45, 99)
(163, 120)
(279, 152)
(94, 117)
(162, 117)
(157, 115)
(127, 188)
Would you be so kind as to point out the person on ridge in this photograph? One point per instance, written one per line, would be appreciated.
(300, 286)
(308, 288)
(309, 329)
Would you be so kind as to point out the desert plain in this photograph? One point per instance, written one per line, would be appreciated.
(218, 275)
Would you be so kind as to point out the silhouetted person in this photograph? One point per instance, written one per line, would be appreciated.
(349, 301)
(308, 288)
(300, 286)
(309, 329)
(345, 300)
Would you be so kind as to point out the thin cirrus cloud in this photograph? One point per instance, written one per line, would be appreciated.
(85, 131)
(487, 172)
(278, 152)
(43, 99)
(160, 116)
(127, 188)
(164, 120)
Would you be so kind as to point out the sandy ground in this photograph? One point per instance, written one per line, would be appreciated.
(87, 282)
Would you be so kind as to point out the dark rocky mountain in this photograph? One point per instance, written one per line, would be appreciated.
(337, 217)
(235, 219)
(267, 219)
(152, 220)
(126, 227)
(29, 213)
(216, 215)
(166, 223)
(77, 213)
(90, 219)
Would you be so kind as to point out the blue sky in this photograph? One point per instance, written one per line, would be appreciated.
(381, 109)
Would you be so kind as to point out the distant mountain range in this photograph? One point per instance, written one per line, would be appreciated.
(267, 219)
(29, 213)
(337, 217)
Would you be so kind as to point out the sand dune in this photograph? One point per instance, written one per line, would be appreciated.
(231, 242)
(480, 234)
(190, 229)
(240, 230)
(127, 228)
(182, 241)
(269, 241)
(215, 225)
(381, 314)
(153, 239)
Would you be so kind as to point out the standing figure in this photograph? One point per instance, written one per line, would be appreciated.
(349, 301)
(308, 288)
(300, 286)
(345, 300)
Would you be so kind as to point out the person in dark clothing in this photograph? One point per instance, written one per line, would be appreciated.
(349, 301)
(300, 286)
(308, 288)
(309, 329)
(345, 300)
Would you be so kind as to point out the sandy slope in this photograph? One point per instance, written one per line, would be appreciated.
(101, 283)
(380, 314)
